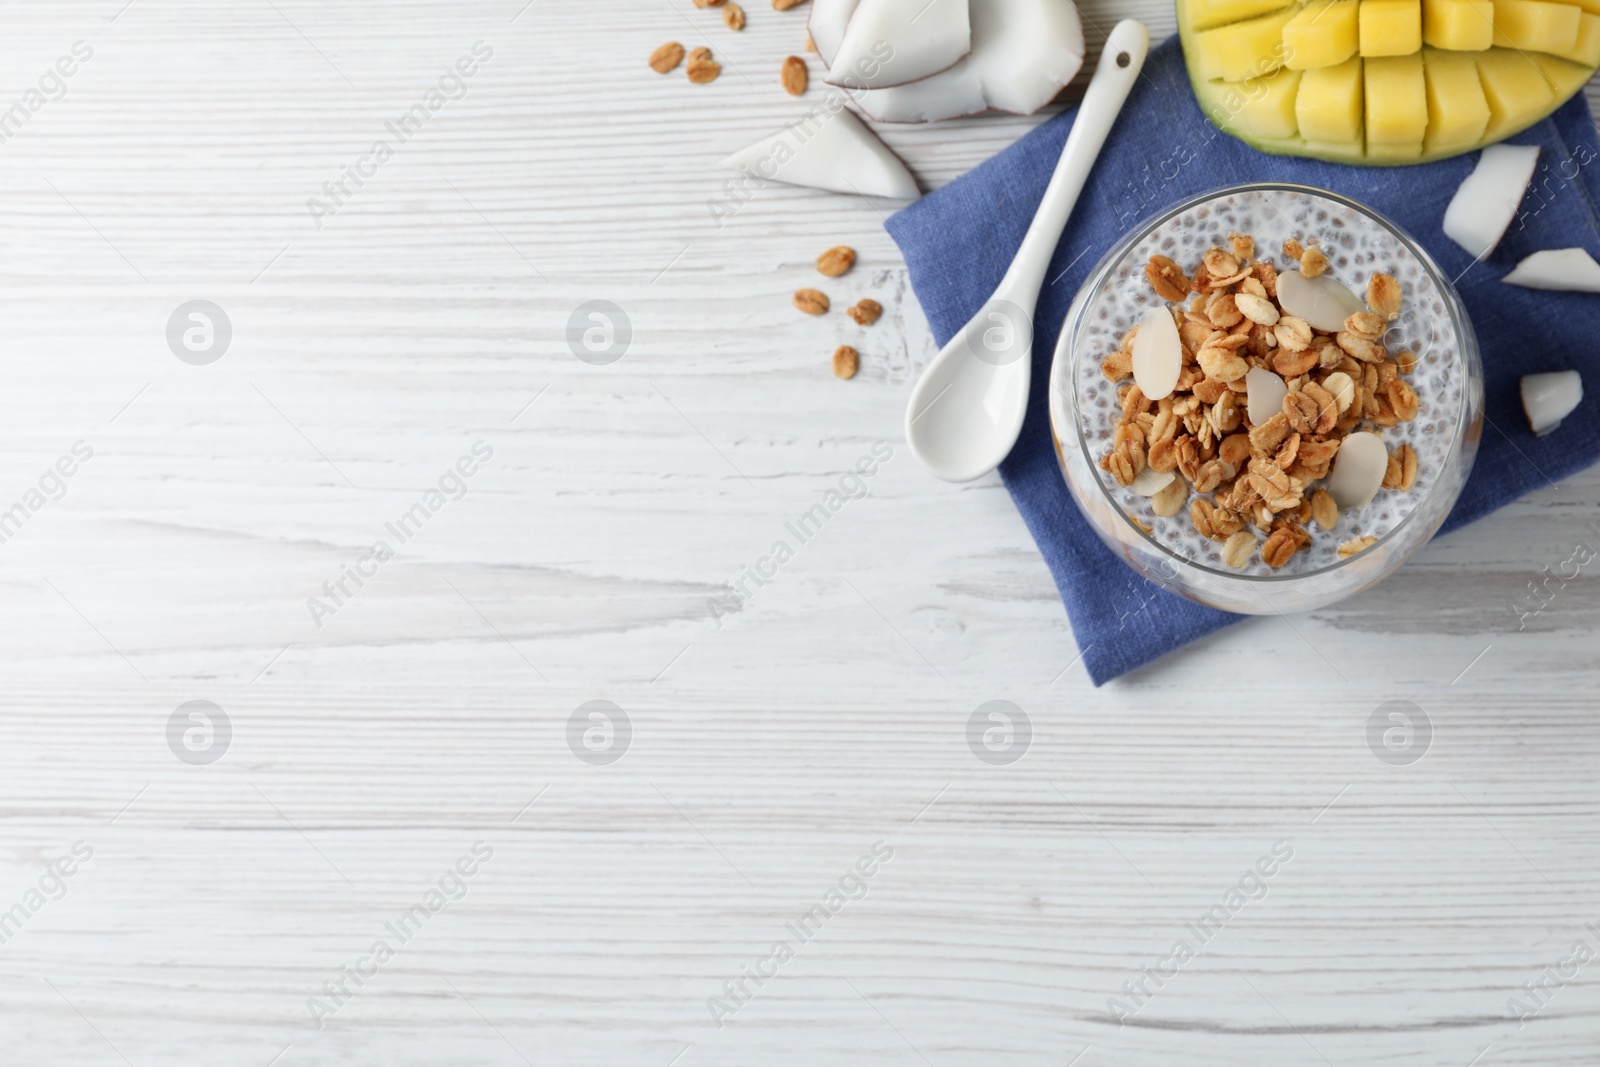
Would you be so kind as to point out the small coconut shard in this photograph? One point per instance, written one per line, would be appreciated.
(1023, 53)
(1157, 354)
(1149, 482)
(1358, 470)
(1548, 398)
(1570, 269)
(1487, 201)
(828, 151)
(1264, 391)
(892, 42)
(1323, 301)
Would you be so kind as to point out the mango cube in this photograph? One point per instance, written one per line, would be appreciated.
(1328, 106)
(1390, 27)
(1396, 101)
(1461, 25)
(1516, 89)
(1242, 50)
(1457, 110)
(1204, 14)
(1587, 48)
(1564, 78)
(1323, 35)
(1268, 110)
(1536, 26)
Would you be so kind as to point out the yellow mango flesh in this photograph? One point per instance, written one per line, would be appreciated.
(1396, 100)
(1252, 48)
(1535, 26)
(1328, 106)
(1391, 27)
(1323, 35)
(1457, 111)
(1460, 25)
(1385, 82)
(1269, 104)
(1586, 50)
(1209, 13)
(1516, 89)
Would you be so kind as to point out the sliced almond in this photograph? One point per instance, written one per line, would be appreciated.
(1157, 354)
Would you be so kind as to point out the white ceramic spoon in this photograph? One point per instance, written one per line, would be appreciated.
(966, 410)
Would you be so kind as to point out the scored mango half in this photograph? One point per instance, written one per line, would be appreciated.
(1385, 82)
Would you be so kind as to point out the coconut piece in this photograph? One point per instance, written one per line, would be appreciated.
(892, 42)
(1550, 397)
(1572, 269)
(833, 151)
(1323, 301)
(1149, 481)
(1023, 53)
(1264, 393)
(1358, 470)
(826, 25)
(1488, 200)
(1157, 354)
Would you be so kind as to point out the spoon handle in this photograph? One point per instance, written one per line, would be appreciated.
(1113, 79)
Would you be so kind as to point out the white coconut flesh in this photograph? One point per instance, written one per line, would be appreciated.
(827, 24)
(833, 151)
(1487, 201)
(892, 42)
(1570, 269)
(1023, 53)
(1548, 398)
(1324, 301)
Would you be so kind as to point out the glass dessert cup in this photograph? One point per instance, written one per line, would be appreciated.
(1448, 380)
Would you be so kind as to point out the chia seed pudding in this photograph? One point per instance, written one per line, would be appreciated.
(1356, 247)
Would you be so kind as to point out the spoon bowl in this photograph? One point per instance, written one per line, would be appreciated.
(966, 410)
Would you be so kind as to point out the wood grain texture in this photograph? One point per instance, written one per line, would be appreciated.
(770, 748)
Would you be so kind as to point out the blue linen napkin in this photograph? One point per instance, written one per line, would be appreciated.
(959, 240)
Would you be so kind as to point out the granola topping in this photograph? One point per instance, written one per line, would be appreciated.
(1253, 488)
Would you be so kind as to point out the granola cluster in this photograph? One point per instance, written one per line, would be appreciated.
(1253, 488)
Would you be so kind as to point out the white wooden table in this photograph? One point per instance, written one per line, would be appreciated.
(767, 752)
